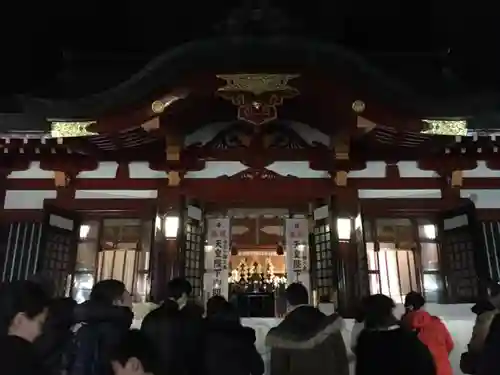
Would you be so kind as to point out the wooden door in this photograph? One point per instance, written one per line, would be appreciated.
(58, 247)
(462, 255)
(323, 276)
(193, 249)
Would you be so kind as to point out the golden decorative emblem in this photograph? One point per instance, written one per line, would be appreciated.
(257, 84)
(62, 129)
(358, 106)
(257, 95)
(157, 106)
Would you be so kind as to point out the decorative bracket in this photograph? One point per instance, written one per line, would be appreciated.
(173, 149)
(341, 148)
(61, 179)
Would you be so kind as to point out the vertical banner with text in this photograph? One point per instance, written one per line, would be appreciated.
(217, 257)
(297, 251)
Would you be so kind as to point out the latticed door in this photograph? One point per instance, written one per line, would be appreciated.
(192, 267)
(462, 255)
(58, 248)
(322, 264)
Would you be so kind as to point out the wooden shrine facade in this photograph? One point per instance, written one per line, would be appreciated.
(206, 147)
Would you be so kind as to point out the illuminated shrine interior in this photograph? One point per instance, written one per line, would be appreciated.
(120, 249)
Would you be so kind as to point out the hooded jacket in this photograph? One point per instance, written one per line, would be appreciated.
(433, 333)
(308, 342)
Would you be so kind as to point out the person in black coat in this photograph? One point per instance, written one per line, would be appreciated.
(56, 335)
(385, 347)
(175, 329)
(488, 362)
(23, 310)
(229, 346)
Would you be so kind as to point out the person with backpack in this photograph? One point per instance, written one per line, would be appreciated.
(103, 321)
(431, 331)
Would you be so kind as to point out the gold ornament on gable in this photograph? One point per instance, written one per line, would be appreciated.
(257, 84)
(257, 96)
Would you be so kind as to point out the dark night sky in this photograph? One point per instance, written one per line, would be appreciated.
(416, 41)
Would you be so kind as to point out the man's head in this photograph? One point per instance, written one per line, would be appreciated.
(296, 294)
(111, 292)
(134, 355)
(378, 310)
(414, 301)
(179, 290)
(24, 307)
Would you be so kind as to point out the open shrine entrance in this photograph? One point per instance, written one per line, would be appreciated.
(339, 255)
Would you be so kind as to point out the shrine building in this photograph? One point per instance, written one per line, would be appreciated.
(260, 167)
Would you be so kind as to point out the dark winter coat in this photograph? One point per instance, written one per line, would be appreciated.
(57, 335)
(19, 357)
(102, 327)
(177, 337)
(230, 349)
(308, 342)
(392, 351)
(489, 358)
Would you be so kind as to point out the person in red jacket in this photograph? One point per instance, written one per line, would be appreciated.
(430, 330)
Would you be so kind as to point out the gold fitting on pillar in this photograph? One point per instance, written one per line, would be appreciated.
(341, 178)
(173, 153)
(174, 178)
(61, 179)
(457, 179)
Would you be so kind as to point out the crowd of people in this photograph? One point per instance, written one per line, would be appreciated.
(55, 336)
